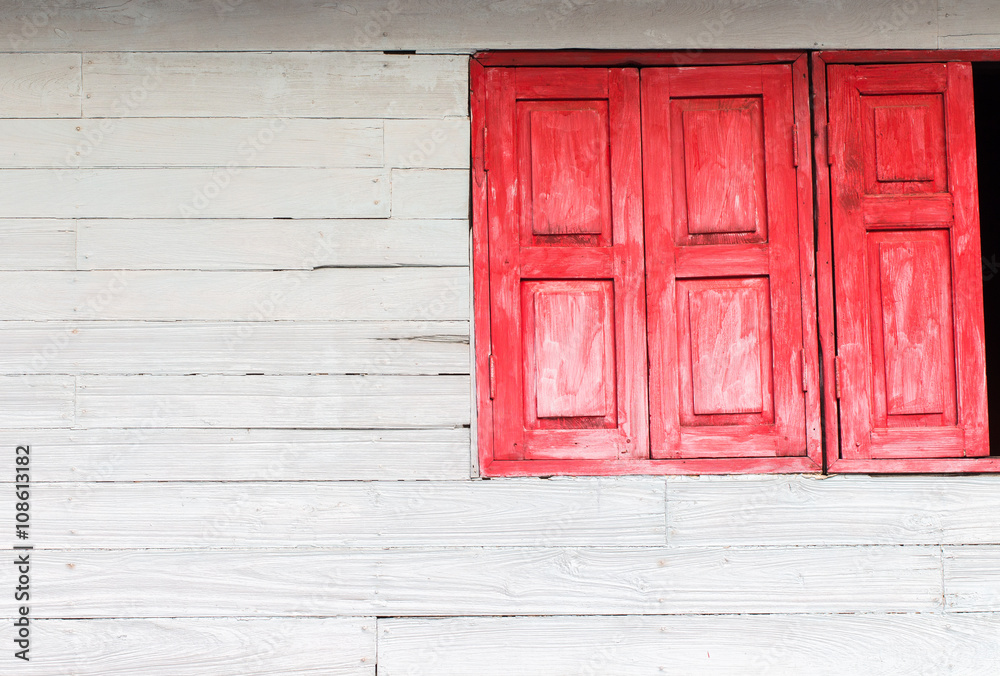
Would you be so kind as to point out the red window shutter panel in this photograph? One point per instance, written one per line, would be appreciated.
(566, 266)
(722, 258)
(907, 261)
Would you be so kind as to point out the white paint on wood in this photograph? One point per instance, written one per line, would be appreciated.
(287, 84)
(236, 191)
(190, 142)
(437, 144)
(312, 402)
(39, 85)
(477, 581)
(36, 401)
(270, 348)
(347, 294)
(526, 512)
(268, 244)
(194, 647)
(968, 24)
(972, 577)
(464, 25)
(37, 244)
(707, 645)
(841, 510)
(430, 193)
(245, 454)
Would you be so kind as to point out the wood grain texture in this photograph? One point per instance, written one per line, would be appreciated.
(289, 84)
(37, 244)
(36, 400)
(268, 244)
(326, 294)
(236, 191)
(430, 193)
(707, 645)
(39, 85)
(191, 142)
(268, 348)
(310, 402)
(965, 24)
(189, 647)
(244, 454)
(204, 515)
(971, 578)
(475, 581)
(436, 144)
(842, 510)
(467, 25)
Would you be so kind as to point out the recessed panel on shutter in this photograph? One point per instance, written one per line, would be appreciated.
(566, 266)
(722, 257)
(907, 265)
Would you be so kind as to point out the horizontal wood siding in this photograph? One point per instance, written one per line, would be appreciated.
(709, 645)
(294, 402)
(235, 319)
(325, 294)
(203, 515)
(259, 347)
(190, 647)
(461, 26)
(492, 581)
(274, 84)
(235, 455)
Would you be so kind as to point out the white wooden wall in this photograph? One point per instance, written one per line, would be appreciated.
(235, 326)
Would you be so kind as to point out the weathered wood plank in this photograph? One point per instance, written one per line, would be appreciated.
(289, 84)
(37, 244)
(325, 294)
(469, 25)
(236, 191)
(237, 646)
(201, 515)
(268, 244)
(965, 24)
(244, 454)
(298, 402)
(430, 193)
(191, 142)
(270, 348)
(703, 644)
(36, 401)
(799, 510)
(436, 144)
(972, 577)
(39, 85)
(475, 581)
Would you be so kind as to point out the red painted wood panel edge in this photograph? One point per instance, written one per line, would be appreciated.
(824, 260)
(906, 55)
(480, 265)
(633, 58)
(915, 466)
(785, 465)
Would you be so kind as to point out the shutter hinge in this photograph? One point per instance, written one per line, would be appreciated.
(829, 155)
(836, 375)
(493, 377)
(795, 145)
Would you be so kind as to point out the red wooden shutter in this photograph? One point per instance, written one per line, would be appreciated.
(722, 259)
(566, 267)
(907, 264)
